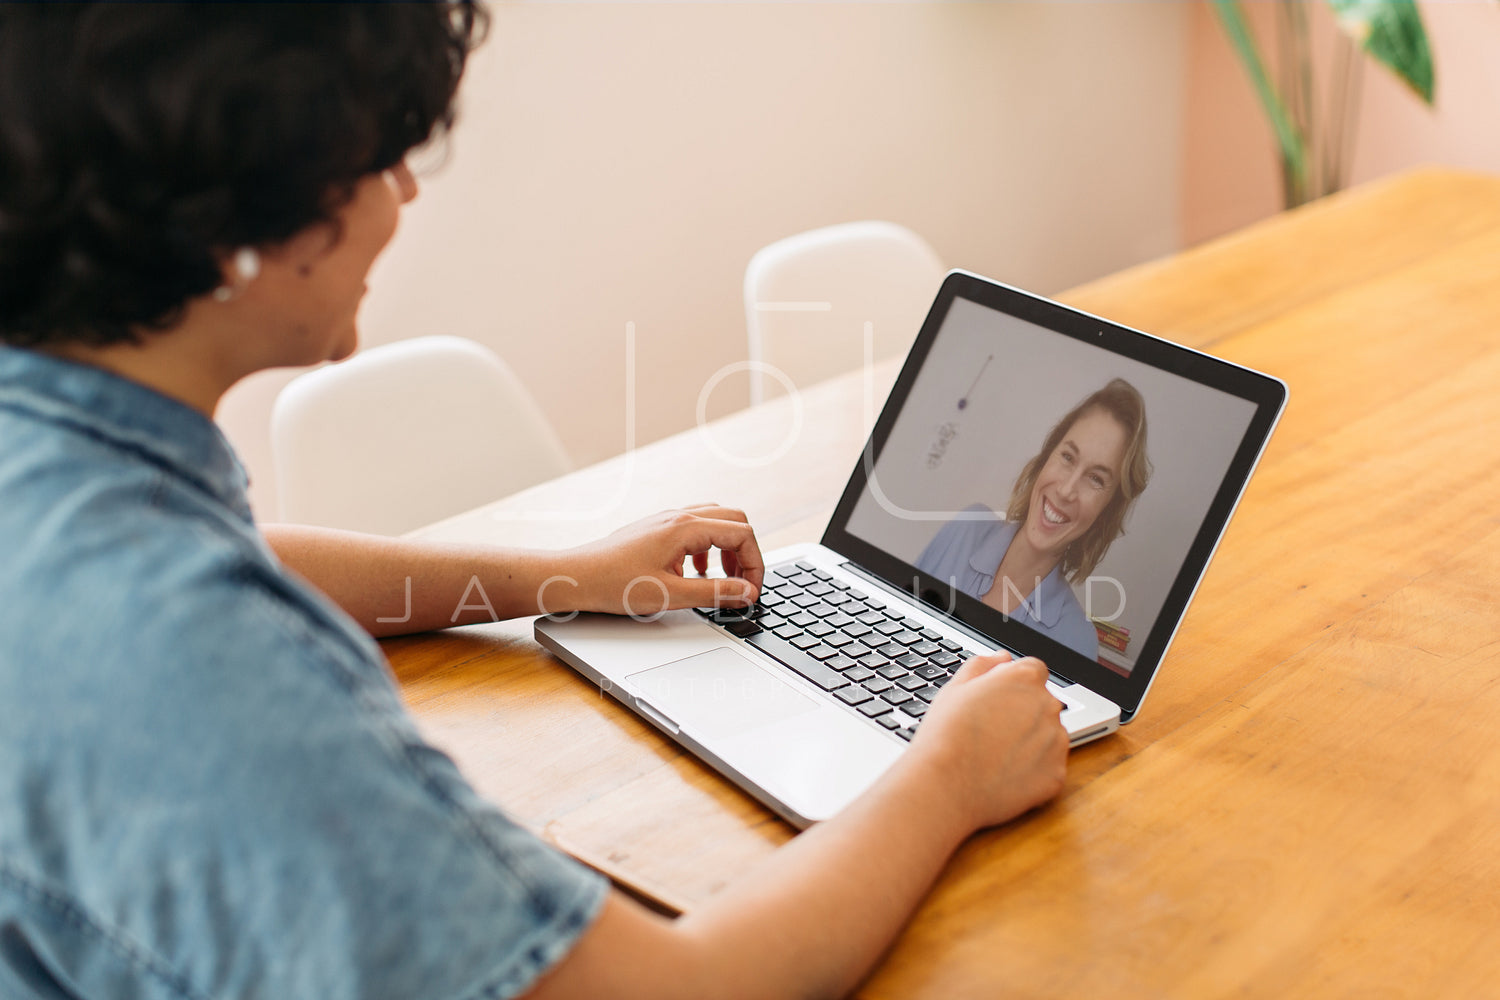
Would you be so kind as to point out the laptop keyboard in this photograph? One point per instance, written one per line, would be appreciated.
(887, 667)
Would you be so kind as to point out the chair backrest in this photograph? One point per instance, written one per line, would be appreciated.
(809, 296)
(406, 434)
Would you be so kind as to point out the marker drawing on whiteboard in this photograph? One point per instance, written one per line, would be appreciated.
(964, 400)
(949, 430)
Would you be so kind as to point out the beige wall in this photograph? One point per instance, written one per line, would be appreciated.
(621, 162)
(1229, 162)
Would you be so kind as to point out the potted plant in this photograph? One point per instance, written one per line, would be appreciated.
(1314, 146)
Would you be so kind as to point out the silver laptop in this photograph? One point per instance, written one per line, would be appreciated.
(1040, 481)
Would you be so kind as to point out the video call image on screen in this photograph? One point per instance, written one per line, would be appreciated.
(1051, 479)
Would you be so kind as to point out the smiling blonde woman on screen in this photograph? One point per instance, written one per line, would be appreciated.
(1066, 508)
(208, 784)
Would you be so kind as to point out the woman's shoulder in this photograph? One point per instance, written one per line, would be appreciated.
(980, 519)
(965, 529)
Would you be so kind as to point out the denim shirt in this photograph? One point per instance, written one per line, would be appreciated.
(208, 784)
(967, 552)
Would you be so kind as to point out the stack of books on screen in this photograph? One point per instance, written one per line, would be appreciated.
(1112, 636)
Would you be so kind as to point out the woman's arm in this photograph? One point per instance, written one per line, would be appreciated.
(395, 586)
(819, 913)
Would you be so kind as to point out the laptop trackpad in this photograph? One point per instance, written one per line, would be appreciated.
(718, 693)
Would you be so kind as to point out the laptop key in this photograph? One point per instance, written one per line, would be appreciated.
(852, 695)
(803, 620)
(873, 708)
(856, 629)
(889, 721)
(946, 659)
(927, 694)
(871, 618)
(839, 620)
(822, 652)
(892, 671)
(822, 610)
(819, 629)
(787, 630)
(911, 682)
(896, 696)
(857, 674)
(838, 640)
(859, 650)
(876, 685)
(743, 629)
(892, 650)
(805, 641)
(839, 662)
(949, 645)
(907, 638)
(915, 708)
(911, 661)
(800, 663)
(926, 648)
(931, 673)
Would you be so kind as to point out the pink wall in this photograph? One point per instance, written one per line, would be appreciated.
(1230, 176)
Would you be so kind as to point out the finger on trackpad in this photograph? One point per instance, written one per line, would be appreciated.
(718, 693)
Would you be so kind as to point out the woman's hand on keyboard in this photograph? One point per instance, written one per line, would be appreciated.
(638, 570)
(994, 732)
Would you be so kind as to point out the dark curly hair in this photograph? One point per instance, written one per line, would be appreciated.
(140, 143)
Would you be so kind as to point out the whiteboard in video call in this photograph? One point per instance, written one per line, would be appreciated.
(1016, 380)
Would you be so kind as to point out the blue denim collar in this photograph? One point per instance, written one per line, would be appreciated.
(125, 415)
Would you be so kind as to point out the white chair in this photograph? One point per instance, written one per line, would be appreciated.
(809, 296)
(405, 434)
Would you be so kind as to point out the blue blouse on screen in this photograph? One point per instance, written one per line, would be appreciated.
(966, 553)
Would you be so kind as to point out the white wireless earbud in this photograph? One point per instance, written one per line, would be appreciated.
(246, 262)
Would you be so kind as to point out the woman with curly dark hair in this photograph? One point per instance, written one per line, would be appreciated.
(208, 784)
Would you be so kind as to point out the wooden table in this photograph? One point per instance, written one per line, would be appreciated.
(1309, 804)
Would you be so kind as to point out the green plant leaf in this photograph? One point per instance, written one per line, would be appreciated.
(1391, 32)
(1293, 144)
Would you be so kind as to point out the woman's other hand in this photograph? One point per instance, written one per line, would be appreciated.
(638, 570)
(995, 736)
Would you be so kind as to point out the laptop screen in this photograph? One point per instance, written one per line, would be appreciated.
(1054, 481)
